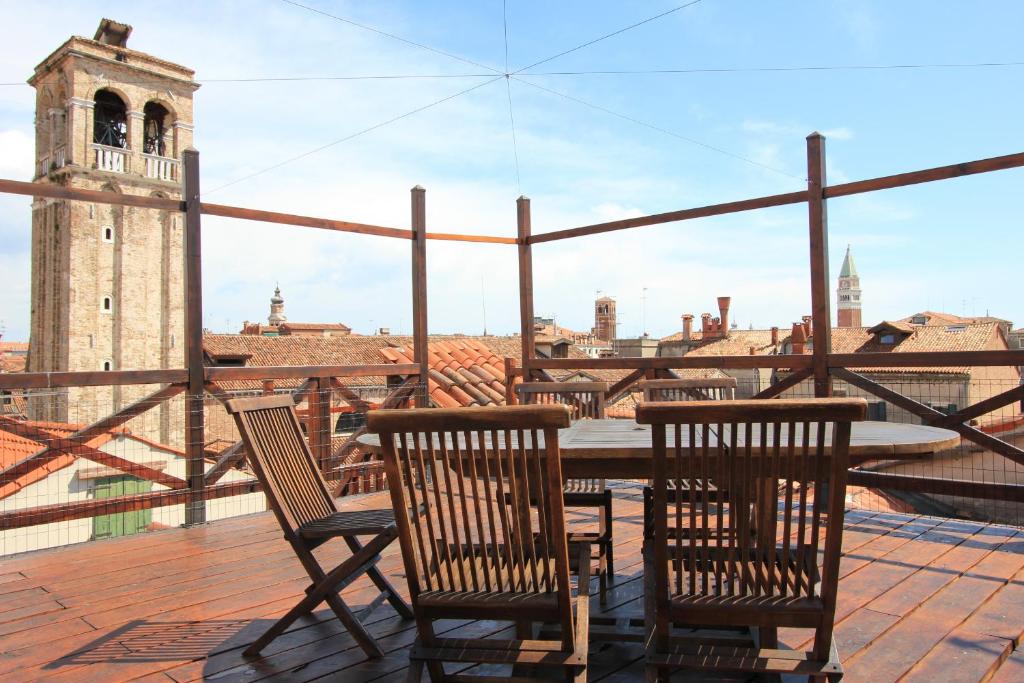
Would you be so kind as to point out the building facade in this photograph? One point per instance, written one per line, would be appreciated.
(108, 281)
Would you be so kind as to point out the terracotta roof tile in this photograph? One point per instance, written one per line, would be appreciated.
(955, 337)
(14, 448)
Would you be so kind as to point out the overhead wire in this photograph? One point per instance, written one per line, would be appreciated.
(508, 91)
(769, 69)
(352, 136)
(659, 129)
(609, 35)
(390, 35)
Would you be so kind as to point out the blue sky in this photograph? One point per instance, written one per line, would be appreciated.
(950, 246)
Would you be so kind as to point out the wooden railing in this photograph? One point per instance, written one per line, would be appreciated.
(795, 369)
(346, 467)
(820, 366)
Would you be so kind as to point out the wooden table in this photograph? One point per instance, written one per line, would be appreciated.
(622, 448)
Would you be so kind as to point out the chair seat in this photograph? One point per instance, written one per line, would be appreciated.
(700, 656)
(491, 605)
(349, 523)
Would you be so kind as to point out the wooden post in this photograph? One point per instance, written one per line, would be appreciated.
(525, 286)
(821, 309)
(419, 292)
(195, 429)
(510, 381)
(318, 421)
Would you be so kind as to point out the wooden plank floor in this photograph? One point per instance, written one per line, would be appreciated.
(921, 599)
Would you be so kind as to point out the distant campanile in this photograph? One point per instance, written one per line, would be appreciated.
(848, 293)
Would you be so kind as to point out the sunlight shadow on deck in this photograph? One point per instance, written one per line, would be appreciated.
(160, 641)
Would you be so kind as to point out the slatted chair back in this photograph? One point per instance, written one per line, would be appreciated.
(771, 454)
(462, 482)
(281, 460)
(707, 389)
(585, 398)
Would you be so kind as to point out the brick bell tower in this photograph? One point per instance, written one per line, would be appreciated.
(604, 318)
(848, 293)
(108, 281)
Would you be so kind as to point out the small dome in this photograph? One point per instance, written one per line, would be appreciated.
(277, 298)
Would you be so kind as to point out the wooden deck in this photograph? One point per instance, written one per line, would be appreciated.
(921, 599)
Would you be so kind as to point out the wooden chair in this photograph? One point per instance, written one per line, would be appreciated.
(702, 389)
(707, 389)
(587, 401)
(745, 562)
(477, 496)
(296, 491)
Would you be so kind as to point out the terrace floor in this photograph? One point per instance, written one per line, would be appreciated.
(921, 599)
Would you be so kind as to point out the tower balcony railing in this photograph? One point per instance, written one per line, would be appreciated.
(50, 162)
(161, 168)
(113, 159)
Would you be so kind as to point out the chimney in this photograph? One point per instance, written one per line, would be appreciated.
(807, 326)
(753, 350)
(268, 387)
(705, 325)
(798, 338)
(723, 312)
(687, 326)
(775, 336)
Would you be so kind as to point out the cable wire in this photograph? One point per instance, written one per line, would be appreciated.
(623, 72)
(508, 91)
(390, 35)
(762, 69)
(609, 35)
(352, 136)
(666, 131)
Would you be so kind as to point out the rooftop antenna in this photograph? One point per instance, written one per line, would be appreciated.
(483, 302)
(643, 312)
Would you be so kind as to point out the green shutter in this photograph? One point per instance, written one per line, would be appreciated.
(121, 523)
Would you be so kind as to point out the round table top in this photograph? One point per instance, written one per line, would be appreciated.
(625, 439)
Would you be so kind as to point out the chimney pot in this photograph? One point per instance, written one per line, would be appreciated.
(775, 336)
(723, 311)
(705, 324)
(798, 337)
(687, 326)
(753, 350)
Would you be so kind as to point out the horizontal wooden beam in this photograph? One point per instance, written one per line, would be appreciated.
(925, 359)
(933, 485)
(53, 191)
(673, 216)
(53, 380)
(63, 512)
(926, 176)
(670, 362)
(486, 239)
(301, 221)
(306, 371)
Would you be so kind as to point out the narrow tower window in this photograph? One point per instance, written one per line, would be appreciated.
(110, 126)
(108, 304)
(107, 233)
(108, 365)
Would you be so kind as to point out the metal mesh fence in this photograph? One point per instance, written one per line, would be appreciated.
(967, 461)
(91, 463)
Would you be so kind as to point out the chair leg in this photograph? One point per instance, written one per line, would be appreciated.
(414, 674)
(326, 589)
(354, 627)
(607, 531)
(393, 596)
